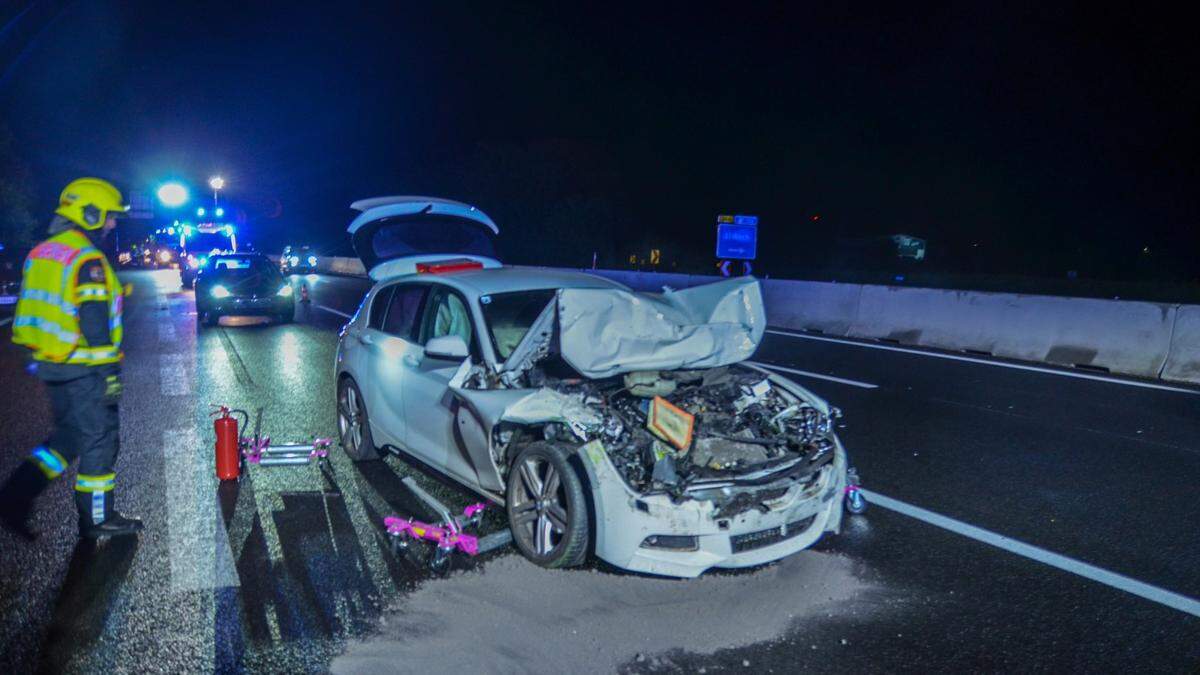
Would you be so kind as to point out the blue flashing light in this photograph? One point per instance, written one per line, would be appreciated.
(220, 212)
(201, 211)
(171, 231)
(172, 194)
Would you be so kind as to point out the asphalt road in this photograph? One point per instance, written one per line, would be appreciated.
(1034, 521)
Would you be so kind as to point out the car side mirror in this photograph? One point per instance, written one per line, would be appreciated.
(447, 347)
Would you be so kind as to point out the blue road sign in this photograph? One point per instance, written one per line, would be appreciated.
(738, 241)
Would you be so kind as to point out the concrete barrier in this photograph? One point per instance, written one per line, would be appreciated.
(812, 305)
(348, 266)
(1134, 338)
(1120, 336)
(1183, 357)
(652, 282)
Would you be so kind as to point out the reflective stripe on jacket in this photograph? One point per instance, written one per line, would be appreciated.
(47, 314)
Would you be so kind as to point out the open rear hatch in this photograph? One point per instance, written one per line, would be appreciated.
(392, 235)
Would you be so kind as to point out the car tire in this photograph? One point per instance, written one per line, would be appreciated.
(285, 317)
(538, 512)
(209, 319)
(354, 429)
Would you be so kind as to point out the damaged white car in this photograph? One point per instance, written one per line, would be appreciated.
(624, 425)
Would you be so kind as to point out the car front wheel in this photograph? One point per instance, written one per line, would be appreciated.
(546, 508)
(353, 427)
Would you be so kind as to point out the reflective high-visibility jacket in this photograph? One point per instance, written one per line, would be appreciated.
(47, 315)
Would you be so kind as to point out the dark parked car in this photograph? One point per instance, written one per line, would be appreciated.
(242, 284)
(298, 260)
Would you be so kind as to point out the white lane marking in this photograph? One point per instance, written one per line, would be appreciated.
(819, 376)
(5, 321)
(200, 555)
(334, 311)
(986, 362)
(1062, 562)
(172, 374)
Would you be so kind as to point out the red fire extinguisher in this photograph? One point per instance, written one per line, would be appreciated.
(228, 451)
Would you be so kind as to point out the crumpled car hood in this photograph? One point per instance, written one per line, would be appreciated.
(605, 332)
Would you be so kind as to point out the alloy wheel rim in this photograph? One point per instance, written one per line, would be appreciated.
(539, 508)
(350, 418)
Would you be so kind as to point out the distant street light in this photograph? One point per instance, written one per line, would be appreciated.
(216, 183)
(172, 194)
(220, 212)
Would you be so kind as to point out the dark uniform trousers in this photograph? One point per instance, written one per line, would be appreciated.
(87, 425)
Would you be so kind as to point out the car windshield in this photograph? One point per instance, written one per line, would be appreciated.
(510, 315)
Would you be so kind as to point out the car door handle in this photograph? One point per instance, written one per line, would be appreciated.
(365, 339)
(410, 360)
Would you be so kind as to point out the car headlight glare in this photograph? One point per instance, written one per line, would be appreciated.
(312, 260)
(285, 292)
(293, 261)
(220, 292)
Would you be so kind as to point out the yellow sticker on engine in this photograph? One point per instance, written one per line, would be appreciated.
(671, 423)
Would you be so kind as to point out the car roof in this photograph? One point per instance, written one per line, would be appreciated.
(511, 279)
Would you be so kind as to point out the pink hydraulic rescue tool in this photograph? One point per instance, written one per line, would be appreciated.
(449, 536)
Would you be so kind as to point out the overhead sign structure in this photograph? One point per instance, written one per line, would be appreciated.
(737, 237)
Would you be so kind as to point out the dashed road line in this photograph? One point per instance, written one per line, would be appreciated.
(1062, 562)
(201, 558)
(173, 374)
(987, 362)
(819, 376)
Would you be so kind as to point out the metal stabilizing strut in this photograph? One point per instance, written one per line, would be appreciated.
(449, 536)
(260, 451)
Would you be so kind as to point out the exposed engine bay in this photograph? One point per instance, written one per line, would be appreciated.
(661, 383)
(743, 425)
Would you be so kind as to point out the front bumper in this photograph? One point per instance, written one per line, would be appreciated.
(794, 521)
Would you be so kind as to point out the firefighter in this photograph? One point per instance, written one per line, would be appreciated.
(69, 315)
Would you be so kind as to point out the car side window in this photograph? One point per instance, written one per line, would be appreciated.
(379, 308)
(404, 310)
(446, 314)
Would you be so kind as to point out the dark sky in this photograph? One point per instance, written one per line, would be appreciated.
(1034, 132)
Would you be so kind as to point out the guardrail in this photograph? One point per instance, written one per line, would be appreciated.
(1145, 339)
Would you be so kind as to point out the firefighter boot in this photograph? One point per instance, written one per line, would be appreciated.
(17, 495)
(98, 518)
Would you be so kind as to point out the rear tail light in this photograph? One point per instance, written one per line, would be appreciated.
(447, 266)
